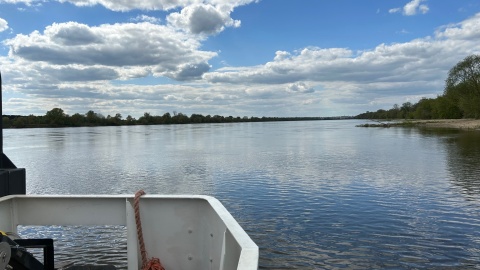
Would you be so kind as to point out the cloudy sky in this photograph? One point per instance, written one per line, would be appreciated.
(229, 57)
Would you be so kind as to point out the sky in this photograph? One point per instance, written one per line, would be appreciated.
(285, 58)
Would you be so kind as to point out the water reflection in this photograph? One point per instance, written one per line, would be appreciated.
(82, 245)
(464, 161)
(312, 195)
(463, 158)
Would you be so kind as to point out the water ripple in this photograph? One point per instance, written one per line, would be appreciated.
(312, 195)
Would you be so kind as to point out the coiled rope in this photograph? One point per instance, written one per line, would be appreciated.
(153, 263)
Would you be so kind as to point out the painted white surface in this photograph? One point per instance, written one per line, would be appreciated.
(186, 232)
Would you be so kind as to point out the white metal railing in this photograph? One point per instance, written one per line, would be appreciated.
(186, 232)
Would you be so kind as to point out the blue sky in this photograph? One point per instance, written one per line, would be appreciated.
(229, 57)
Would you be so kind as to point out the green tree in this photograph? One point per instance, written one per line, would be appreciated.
(180, 118)
(56, 117)
(19, 122)
(394, 112)
(167, 118)
(424, 109)
(6, 122)
(146, 119)
(462, 86)
(130, 120)
(77, 120)
(446, 108)
(115, 120)
(92, 118)
(466, 73)
(405, 110)
(196, 118)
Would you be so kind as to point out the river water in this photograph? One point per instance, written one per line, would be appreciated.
(312, 195)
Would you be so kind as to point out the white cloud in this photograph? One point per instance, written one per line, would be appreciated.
(26, 2)
(299, 87)
(467, 30)
(412, 8)
(415, 68)
(264, 92)
(125, 48)
(308, 64)
(78, 67)
(3, 25)
(394, 10)
(281, 55)
(202, 19)
(423, 9)
(188, 72)
(127, 5)
(145, 18)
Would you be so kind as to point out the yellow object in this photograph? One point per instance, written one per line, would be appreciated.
(3, 233)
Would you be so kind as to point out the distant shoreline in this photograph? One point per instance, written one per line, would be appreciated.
(462, 124)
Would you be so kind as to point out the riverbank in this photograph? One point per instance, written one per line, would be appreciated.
(464, 124)
(448, 123)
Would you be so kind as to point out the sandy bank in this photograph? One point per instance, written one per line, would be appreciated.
(466, 124)
(448, 123)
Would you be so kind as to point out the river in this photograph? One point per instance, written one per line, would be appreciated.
(311, 194)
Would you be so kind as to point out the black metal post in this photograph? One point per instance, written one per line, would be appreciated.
(1, 122)
(12, 179)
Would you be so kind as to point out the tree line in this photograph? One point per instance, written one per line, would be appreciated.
(460, 99)
(58, 118)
